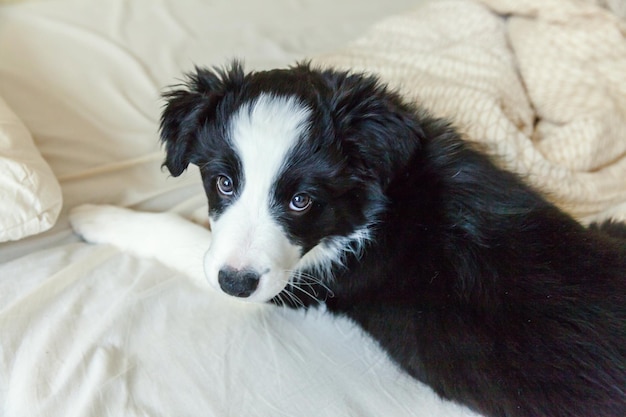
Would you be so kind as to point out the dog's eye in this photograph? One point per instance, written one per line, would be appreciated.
(300, 202)
(225, 185)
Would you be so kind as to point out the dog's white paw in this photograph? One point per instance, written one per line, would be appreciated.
(137, 232)
(101, 223)
(166, 237)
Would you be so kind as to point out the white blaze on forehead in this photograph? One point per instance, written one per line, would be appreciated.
(246, 235)
(263, 131)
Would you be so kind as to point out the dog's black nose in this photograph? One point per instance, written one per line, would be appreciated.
(239, 283)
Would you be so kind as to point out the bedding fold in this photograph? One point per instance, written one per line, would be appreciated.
(542, 83)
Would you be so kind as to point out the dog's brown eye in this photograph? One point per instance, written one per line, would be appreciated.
(225, 185)
(300, 202)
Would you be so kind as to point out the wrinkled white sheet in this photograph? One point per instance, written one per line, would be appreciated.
(93, 332)
(89, 331)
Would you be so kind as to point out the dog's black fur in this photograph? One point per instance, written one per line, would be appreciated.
(473, 282)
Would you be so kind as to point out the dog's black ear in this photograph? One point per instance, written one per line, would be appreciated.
(190, 107)
(375, 122)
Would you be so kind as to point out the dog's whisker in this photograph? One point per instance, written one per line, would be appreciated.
(294, 300)
(313, 295)
(315, 284)
(310, 280)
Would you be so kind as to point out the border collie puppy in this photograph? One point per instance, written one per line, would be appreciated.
(326, 187)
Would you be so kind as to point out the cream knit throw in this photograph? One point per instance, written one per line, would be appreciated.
(541, 82)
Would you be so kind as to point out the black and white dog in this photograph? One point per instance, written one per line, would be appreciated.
(326, 187)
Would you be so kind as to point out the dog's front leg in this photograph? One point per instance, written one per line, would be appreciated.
(167, 237)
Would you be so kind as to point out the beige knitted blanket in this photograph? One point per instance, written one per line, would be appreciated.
(541, 82)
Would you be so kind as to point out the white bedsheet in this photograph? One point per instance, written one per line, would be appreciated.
(89, 331)
(93, 332)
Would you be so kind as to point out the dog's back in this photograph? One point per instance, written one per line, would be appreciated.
(480, 288)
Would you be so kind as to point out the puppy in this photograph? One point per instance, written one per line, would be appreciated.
(326, 187)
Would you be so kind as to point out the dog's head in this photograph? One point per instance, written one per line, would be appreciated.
(295, 164)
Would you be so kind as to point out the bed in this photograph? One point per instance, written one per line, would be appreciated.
(88, 330)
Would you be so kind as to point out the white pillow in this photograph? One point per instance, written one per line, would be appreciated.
(30, 195)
